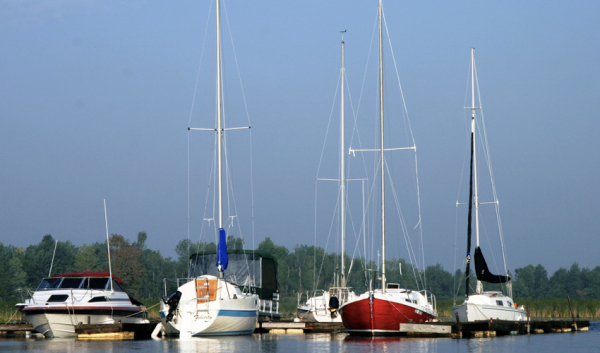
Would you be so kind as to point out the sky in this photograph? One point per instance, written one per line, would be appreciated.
(96, 98)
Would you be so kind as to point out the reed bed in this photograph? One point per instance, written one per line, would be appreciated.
(549, 308)
(8, 312)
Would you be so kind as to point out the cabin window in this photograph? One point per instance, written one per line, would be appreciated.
(97, 283)
(499, 303)
(57, 298)
(68, 282)
(98, 299)
(510, 303)
(49, 283)
(393, 286)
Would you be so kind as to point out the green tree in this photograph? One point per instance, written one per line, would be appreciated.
(524, 282)
(540, 277)
(6, 292)
(439, 282)
(278, 252)
(558, 284)
(37, 260)
(91, 258)
(234, 243)
(18, 278)
(126, 264)
(140, 243)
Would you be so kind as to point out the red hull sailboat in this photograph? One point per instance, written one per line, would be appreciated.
(378, 313)
(382, 311)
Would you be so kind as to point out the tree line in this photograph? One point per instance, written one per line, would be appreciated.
(300, 270)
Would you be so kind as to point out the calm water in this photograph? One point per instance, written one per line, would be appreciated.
(556, 342)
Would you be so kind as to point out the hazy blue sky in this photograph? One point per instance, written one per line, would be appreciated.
(95, 101)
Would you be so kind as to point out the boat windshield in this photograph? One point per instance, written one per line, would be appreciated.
(96, 283)
(69, 282)
(117, 287)
(49, 283)
(101, 284)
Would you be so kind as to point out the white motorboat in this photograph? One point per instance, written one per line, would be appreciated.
(61, 303)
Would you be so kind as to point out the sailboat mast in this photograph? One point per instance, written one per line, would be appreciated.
(479, 288)
(342, 174)
(382, 148)
(108, 246)
(219, 111)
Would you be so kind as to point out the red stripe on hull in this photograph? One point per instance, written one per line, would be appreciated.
(385, 320)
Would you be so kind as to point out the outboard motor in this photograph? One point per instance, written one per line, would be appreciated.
(172, 302)
(334, 305)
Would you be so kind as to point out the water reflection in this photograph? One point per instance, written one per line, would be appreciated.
(313, 342)
(391, 344)
(210, 345)
(321, 343)
(61, 345)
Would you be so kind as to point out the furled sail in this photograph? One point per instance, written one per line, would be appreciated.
(482, 271)
(222, 259)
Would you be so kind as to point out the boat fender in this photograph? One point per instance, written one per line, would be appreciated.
(172, 302)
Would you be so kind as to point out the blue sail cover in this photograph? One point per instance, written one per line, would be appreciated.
(222, 259)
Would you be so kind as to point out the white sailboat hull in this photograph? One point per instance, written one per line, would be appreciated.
(310, 315)
(316, 308)
(483, 307)
(229, 313)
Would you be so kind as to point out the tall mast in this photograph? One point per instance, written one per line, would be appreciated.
(220, 130)
(108, 245)
(382, 149)
(342, 173)
(479, 287)
(219, 110)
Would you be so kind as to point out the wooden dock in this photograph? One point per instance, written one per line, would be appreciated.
(439, 329)
(500, 328)
(426, 329)
(15, 329)
(117, 331)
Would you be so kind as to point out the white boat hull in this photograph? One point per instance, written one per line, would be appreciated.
(53, 325)
(483, 307)
(225, 319)
(230, 313)
(316, 308)
(309, 315)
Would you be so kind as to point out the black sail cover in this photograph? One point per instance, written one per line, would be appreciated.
(482, 271)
